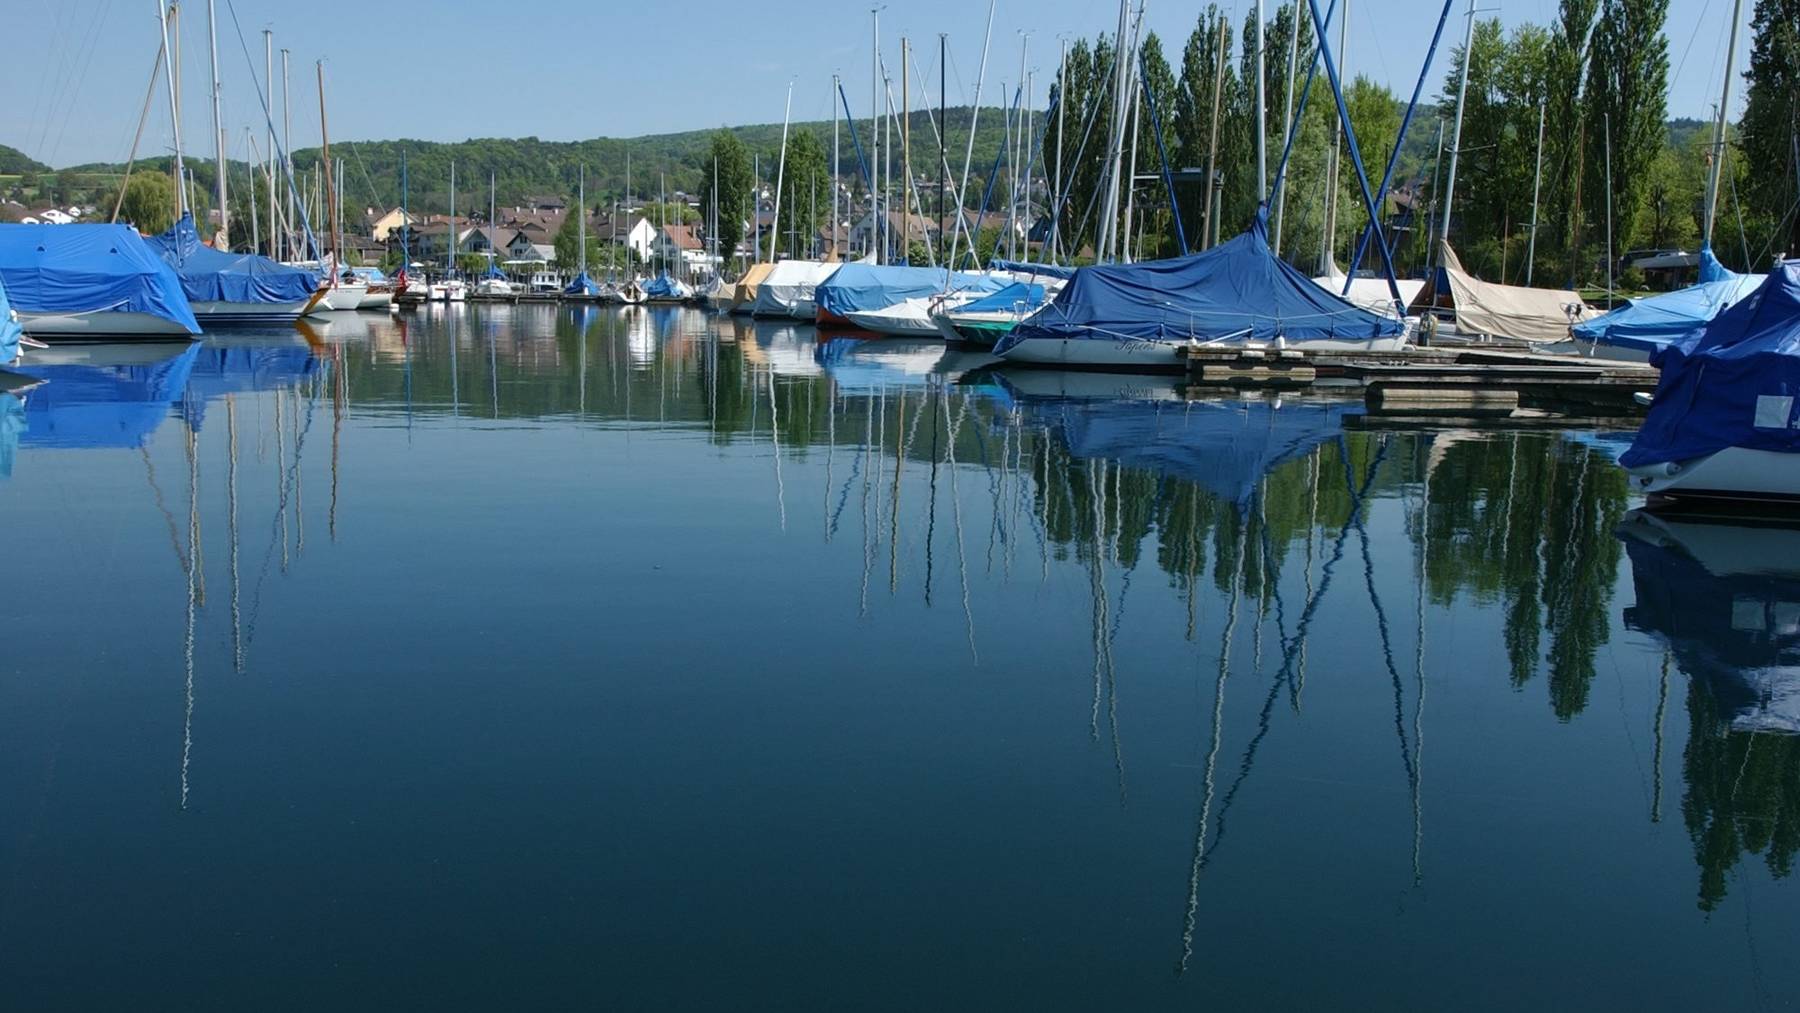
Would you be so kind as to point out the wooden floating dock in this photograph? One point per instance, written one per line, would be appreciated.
(1457, 381)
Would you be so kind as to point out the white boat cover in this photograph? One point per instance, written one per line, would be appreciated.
(788, 289)
(1370, 293)
(1508, 311)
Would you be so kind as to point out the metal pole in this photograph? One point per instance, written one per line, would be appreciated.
(1462, 91)
(1718, 145)
(1262, 114)
(1287, 120)
(874, 133)
(1056, 190)
(905, 148)
(269, 89)
(1606, 127)
(943, 147)
(1327, 256)
(1212, 144)
(780, 171)
(287, 146)
(222, 239)
(1537, 176)
(836, 250)
(162, 17)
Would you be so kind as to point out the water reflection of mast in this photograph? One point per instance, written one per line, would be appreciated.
(868, 543)
(894, 507)
(1662, 706)
(237, 615)
(339, 395)
(931, 398)
(962, 564)
(193, 603)
(775, 437)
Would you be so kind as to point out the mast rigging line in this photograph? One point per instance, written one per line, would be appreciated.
(287, 158)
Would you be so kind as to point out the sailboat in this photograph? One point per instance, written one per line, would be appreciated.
(1723, 426)
(582, 288)
(91, 281)
(451, 288)
(493, 284)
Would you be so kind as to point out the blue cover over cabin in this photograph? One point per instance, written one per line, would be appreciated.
(1734, 382)
(582, 285)
(209, 275)
(1650, 323)
(866, 288)
(89, 268)
(1236, 289)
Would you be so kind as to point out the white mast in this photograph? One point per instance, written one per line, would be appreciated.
(1262, 113)
(162, 17)
(1327, 257)
(780, 171)
(1115, 149)
(836, 250)
(269, 91)
(1056, 189)
(1537, 176)
(581, 210)
(1462, 91)
(287, 146)
(874, 137)
(969, 152)
(222, 239)
(1287, 118)
(1718, 145)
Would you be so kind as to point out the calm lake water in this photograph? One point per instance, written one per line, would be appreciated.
(526, 657)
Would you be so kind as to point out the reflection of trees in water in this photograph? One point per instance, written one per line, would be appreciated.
(1743, 795)
(1527, 520)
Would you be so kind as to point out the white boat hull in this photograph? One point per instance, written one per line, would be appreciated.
(1735, 473)
(376, 299)
(1597, 350)
(221, 314)
(450, 291)
(100, 324)
(342, 297)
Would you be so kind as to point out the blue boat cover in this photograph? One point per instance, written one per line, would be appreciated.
(664, 287)
(1734, 382)
(209, 275)
(1650, 323)
(1225, 447)
(1238, 288)
(1027, 267)
(865, 288)
(1017, 296)
(87, 268)
(9, 329)
(367, 275)
(582, 285)
(88, 406)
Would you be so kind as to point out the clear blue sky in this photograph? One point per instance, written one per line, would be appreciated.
(561, 69)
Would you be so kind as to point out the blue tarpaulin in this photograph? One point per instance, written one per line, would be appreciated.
(89, 268)
(367, 275)
(1017, 296)
(9, 329)
(865, 288)
(1027, 267)
(1649, 323)
(582, 285)
(1734, 382)
(1226, 446)
(1236, 289)
(100, 406)
(209, 275)
(664, 287)
(12, 424)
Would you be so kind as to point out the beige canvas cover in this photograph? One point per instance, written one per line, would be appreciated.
(744, 294)
(1508, 311)
(1371, 294)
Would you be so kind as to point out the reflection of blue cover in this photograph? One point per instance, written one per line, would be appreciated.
(88, 268)
(12, 423)
(582, 285)
(865, 288)
(243, 369)
(1733, 383)
(1017, 297)
(1224, 446)
(209, 275)
(1650, 323)
(1737, 632)
(9, 329)
(1238, 288)
(103, 406)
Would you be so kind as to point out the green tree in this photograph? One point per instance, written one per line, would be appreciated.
(729, 161)
(1565, 142)
(1628, 98)
(1201, 72)
(149, 204)
(1155, 222)
(568, 243)
(1772, 121)
(806, 193)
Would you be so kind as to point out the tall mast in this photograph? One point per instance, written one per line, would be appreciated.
(969, 152)
(1462, 91)
(222, 240)
(269, 90)
(1056, 187)
(287, 145)
(1212, 143)
(1262, 113)
(943, 147)
(162, 17)
(581, 209)
(874, 135)
(331, 214)
(493, 251)
(836, 250)
(1115, 148)
(405, 220)
(1287, 116)
(1137, 109)
(1537, 176)
(1718, 144)
(1327, 257)
(905, 148)
(775, 224)
(450, 237)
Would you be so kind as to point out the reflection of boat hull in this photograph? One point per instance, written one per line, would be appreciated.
(99, 325)
(1733, 475)
(1099, 353)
